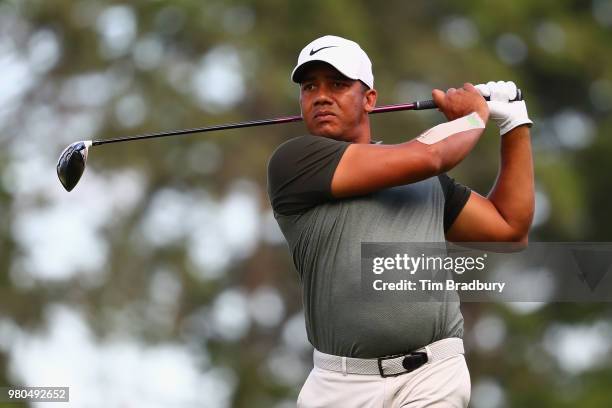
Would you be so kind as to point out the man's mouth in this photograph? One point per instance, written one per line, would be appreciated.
(324, 115)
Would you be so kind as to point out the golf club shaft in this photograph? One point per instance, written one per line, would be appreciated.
(261, 122)
(418, 105)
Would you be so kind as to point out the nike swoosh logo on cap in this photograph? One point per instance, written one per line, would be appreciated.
(313, 52)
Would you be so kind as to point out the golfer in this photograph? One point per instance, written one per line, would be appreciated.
(334, 188)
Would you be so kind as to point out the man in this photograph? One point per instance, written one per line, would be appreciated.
(333, 189)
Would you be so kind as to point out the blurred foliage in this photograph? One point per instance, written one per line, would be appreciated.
(411, 53)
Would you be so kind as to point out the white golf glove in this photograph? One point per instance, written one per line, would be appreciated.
(507, 115)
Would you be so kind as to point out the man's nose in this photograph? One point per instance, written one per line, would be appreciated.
(322, 96)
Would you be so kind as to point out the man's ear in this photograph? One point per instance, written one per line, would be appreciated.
(369, 97)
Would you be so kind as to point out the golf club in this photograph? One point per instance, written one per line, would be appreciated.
(72, 160)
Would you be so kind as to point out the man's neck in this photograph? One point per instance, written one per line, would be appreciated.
(361, 134)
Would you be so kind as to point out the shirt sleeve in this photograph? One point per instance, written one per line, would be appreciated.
(455, 197)
(300, 172)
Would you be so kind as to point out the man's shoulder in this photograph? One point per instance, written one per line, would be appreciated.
(300, 172)
(299, 143)
(291, 144)
(305, 146)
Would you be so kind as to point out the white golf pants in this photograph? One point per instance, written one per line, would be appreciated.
(441, 384)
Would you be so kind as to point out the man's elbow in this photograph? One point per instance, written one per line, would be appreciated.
(521, 236)
(518, 240)
(510, 239)
(517, 233)
(522, 243)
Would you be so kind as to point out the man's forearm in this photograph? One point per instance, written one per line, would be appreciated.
(513, 192)
(365, 168)
(453, 143)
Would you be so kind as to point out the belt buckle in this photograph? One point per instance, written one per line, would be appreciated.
(410, 362)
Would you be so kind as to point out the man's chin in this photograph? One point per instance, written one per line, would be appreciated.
(326, 132)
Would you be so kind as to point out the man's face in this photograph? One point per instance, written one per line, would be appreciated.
(333, 105)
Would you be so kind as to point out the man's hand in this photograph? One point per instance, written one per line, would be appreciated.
(456, 103)
(507, 115)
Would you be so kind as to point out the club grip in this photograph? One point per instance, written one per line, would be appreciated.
(430, 104)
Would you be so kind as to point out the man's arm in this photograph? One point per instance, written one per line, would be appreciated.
(366, 168)
(505, 215)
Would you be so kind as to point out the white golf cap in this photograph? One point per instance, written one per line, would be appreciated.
(344, 55)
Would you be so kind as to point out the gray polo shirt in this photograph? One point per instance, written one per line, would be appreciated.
(324, 236)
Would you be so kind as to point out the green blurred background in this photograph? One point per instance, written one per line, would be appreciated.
(162, 280)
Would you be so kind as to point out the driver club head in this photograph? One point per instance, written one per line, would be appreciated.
(71, 164)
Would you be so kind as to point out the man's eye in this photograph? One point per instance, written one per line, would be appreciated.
(307, 87)
(339, 84)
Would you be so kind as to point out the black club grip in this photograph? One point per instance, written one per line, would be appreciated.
(430, 104)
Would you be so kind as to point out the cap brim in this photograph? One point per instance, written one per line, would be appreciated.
(298, 72)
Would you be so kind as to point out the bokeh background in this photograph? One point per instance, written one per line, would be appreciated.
(162, 280)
